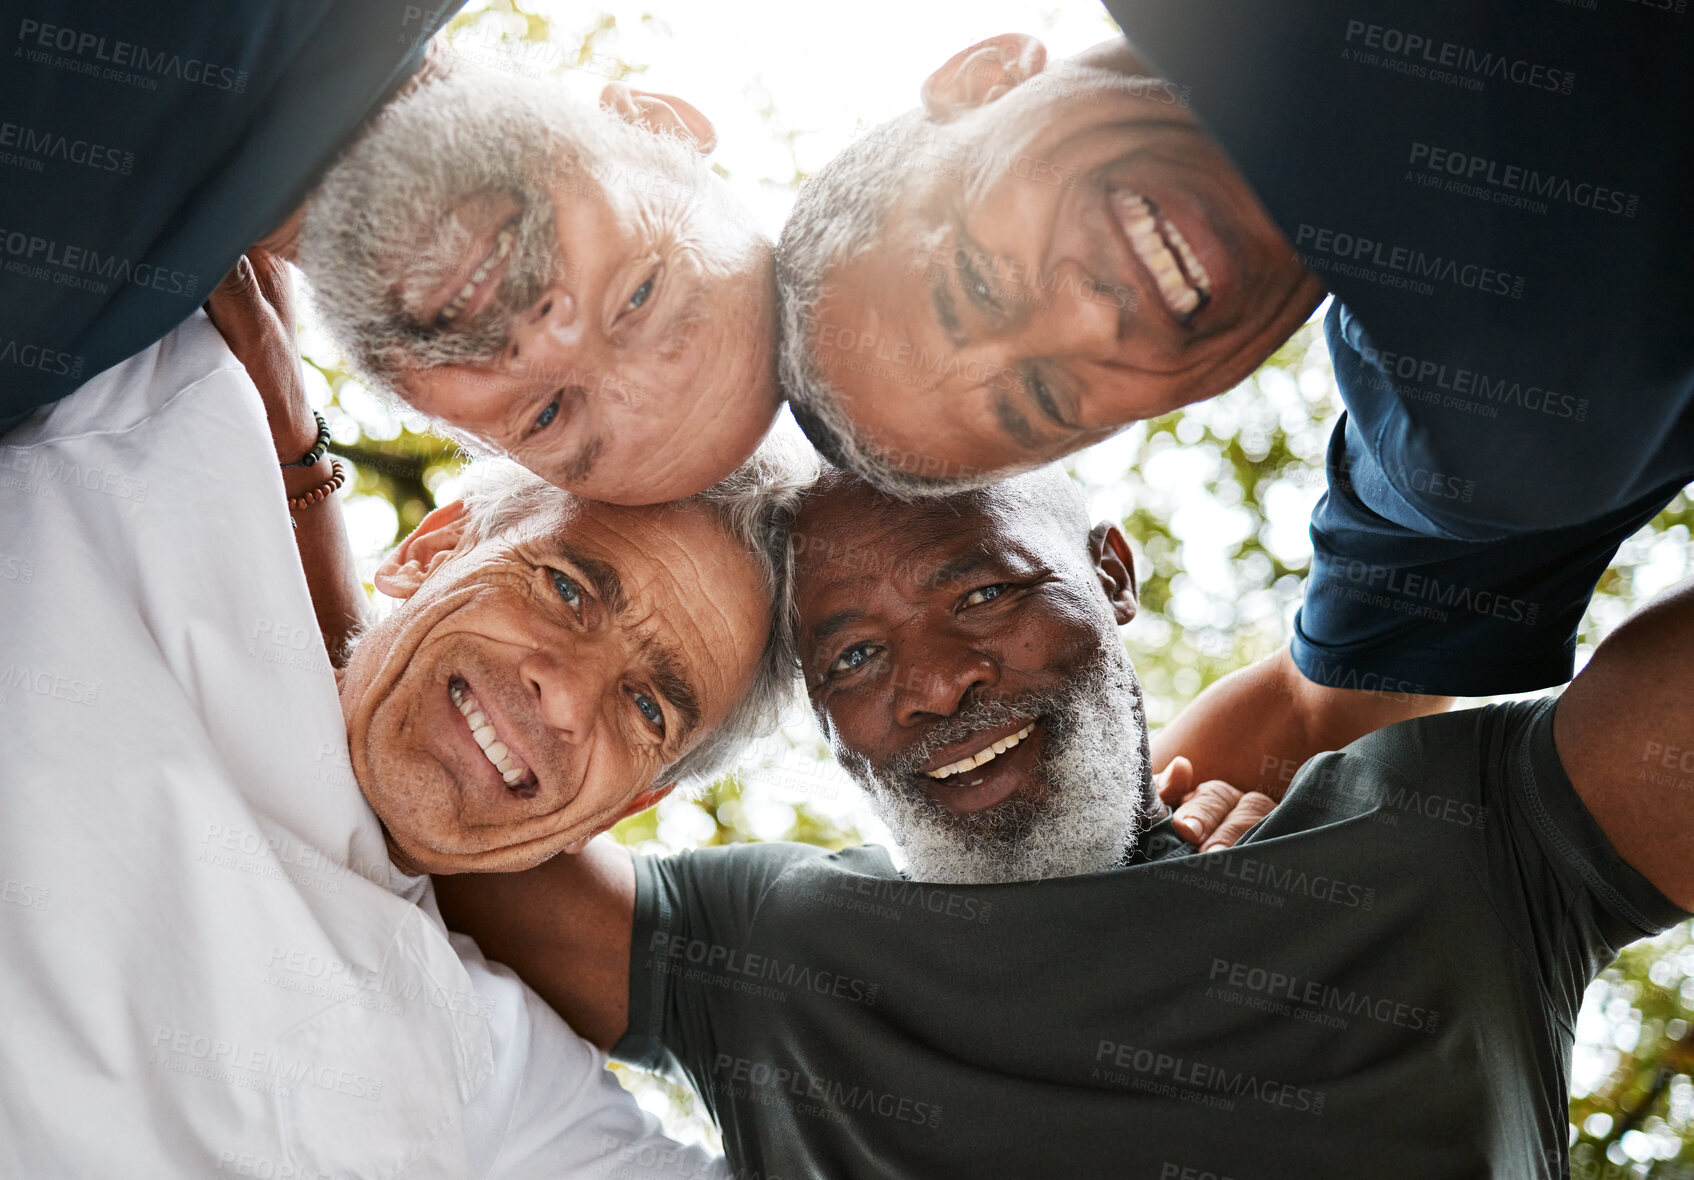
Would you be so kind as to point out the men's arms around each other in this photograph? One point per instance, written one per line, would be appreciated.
(1258, 725)
(253, 308)
(565, 926)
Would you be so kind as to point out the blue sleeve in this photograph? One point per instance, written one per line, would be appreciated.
(1391, 609)
(144, 146)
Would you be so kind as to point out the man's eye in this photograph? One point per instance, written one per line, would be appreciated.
(986, 594)
(977, 287)
(642, 294)
(852, 659)
(569, 590)
(651, 710)
(545, 418)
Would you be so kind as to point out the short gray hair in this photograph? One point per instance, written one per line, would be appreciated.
(838, 215)
(756, 504)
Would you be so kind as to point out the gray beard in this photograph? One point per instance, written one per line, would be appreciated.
(379, 232)
(1094, 768)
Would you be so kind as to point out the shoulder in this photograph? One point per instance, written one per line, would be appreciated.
(155, 383)
(748, 872)
(1447, 766)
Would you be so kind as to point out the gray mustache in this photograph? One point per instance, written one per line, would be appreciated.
(972, 720)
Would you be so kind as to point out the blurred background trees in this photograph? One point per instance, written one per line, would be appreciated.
(1216, 497)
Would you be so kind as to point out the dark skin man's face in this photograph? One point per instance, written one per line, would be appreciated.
(1071, 254)
(911, 613)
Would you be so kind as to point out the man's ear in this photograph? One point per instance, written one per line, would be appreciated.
(435, 539)
(642, 801)
(662, 114)
(977, 76)
(1114, 565)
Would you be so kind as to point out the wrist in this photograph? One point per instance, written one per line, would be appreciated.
(294, 431)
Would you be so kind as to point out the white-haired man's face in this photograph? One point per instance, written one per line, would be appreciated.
(570, 285)
(533, 685)
(961, 654)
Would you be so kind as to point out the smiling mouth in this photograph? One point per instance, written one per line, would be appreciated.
(1183, 284)
(987, 754)
(489, 269)
(510, 767)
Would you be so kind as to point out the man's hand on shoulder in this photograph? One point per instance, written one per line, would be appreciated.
(1257, 726)
(1211, 815)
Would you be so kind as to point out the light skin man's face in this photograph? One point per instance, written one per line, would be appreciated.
(570, 285)
(532, 686)
(1073, 253)
(911, 615)
(637, 374)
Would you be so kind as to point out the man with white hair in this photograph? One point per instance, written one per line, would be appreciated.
(568, 284)
(1048, 250)
(1381, 979)
(219, 957)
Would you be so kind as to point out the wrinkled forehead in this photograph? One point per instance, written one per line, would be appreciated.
(671, 577)
(845, 525)
(665, 547)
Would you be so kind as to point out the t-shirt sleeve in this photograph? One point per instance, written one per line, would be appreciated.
(150, 144)
(687, 906)
(1391, 608)
(1583, 900)
(1560, 892)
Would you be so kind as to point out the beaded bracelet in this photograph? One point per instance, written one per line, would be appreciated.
(318, 448)
(337, 477)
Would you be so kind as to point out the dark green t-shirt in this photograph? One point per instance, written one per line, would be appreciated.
(1381, 980)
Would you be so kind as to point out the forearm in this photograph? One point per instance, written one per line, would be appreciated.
(1257, 726)
(253, 308)
(564, 927)
(320, 536)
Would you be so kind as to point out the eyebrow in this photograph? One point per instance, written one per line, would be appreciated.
(952, 571)
(1014, 423)
(581, 464)
(948, 313)
(683, 322)
(663, 663)
(831, 624)
(955, 570)
(1046, 404)
(668, 677)
(602, 578)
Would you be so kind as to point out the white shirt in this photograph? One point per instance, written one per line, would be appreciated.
(208, 965)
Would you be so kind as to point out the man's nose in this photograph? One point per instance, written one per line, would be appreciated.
(553, 325)
(933, 682)
(569, 689)
(1073, 314)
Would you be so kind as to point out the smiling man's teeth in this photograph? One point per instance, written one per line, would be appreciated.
(492, 747)
(502, 247)
(1183, 282)
(986, 754)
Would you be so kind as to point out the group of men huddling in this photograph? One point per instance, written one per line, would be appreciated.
(239, 958)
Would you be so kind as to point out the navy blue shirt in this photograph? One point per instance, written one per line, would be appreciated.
(1501, 199)
(144, 146)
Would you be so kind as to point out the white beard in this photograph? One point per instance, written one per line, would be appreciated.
(1094, 767)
